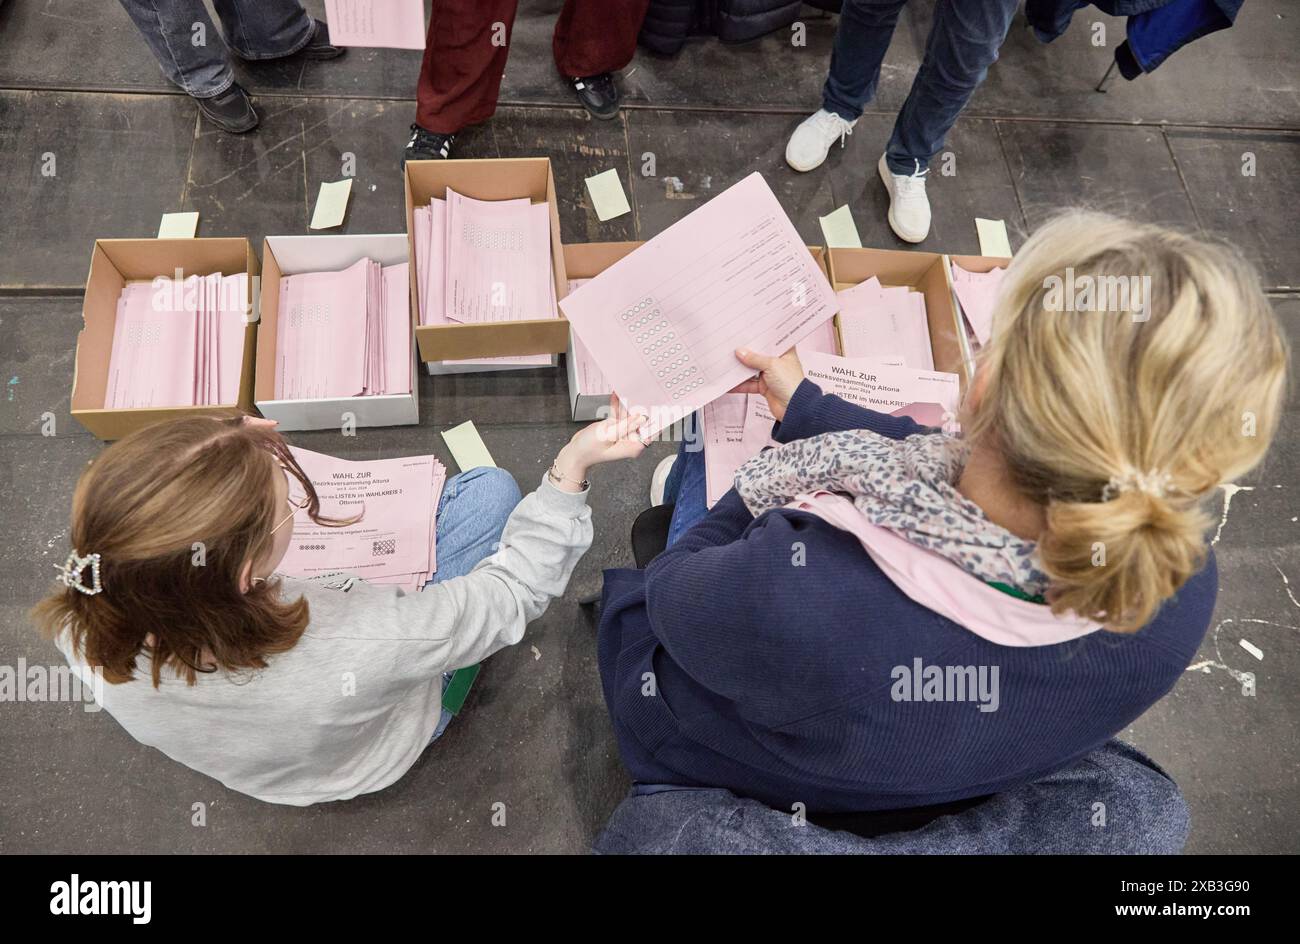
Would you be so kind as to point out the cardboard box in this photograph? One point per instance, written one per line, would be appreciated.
(970, 264)
(927, 273)
(293, 255)
(494, 179)
(586, 261)
(113, 263)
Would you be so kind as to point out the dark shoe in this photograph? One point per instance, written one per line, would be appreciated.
(427, 146)
(598, 94)
(230, 111)
(319, 47)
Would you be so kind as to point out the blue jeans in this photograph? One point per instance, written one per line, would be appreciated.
(254, 29)
(963, 43)
(685, 488)
(472, 513)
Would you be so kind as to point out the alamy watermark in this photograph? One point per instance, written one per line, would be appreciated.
(1099, 293)
(41, 683)
(955, 683)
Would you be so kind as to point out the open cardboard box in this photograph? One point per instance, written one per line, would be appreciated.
(113, 263)
(491, 179)
(970, 264)
(292, 255)
(927, 273)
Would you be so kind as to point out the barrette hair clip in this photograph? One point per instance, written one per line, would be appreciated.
(1154, 483)
(72, 573)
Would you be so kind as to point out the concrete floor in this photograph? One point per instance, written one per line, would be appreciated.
(535, 736)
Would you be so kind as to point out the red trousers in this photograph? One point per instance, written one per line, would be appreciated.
(465, 53)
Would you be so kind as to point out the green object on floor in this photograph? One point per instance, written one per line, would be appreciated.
(462, 680)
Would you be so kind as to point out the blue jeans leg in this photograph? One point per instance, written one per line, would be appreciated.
(190, 50)
(964, 41)
(686, 487)
(861, 40)
(472, 513)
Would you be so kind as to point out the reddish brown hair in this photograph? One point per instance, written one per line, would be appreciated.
(176, 511)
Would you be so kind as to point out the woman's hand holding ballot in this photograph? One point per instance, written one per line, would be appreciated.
(778, 377)
(614, 437)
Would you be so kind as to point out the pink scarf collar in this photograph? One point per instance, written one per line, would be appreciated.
(940, 585)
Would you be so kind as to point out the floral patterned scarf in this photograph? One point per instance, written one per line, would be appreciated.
(905, 485)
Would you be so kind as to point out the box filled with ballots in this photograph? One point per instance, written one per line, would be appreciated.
(487, 266)
(898, 303)
(335, 345)
(169, 330)
(588, 389)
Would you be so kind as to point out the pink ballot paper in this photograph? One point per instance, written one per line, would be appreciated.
(878, 320)
(976, 293)
(735, 428)
(885, 388)
(392, 24)
(663, 322)
(392, 543)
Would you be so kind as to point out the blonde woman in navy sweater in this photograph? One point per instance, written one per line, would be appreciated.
(880, 616)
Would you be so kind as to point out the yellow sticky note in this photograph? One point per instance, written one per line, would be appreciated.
(840, 230)
(331, 203)
(467, 446)
(607, 195)
(993, 238)
(178, 226)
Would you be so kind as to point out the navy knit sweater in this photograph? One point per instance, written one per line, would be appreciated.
(723, 664)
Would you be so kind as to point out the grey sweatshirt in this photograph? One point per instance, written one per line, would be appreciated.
(349, 708)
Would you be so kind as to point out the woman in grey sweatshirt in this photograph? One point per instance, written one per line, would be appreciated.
(287, 690)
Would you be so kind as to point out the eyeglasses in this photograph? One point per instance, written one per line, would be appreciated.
(294, 507)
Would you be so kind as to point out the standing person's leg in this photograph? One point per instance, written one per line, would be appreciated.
(460, 78)
(185, 42)
(265, 29)
(594, 38)
(472, 513)
(861, 40)
(964, 41)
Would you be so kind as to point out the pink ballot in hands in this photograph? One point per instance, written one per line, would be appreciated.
(391, 24)
(663, 323)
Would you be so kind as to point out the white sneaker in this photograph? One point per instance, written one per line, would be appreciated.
(659, 480)
(812, 140)
(909, 207)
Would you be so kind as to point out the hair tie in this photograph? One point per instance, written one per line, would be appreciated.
(73, 569)
(1154, 483)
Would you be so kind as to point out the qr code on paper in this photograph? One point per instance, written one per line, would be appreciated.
(380, 548)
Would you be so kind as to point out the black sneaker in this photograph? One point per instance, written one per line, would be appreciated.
(319, 47)
(230, 111)
(427, 145)
(598, 94)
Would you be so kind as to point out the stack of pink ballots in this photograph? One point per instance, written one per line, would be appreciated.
(976, 293)
(482, 261)
(178, 343)
(344, 334)
(393, 542)
(882, 320)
